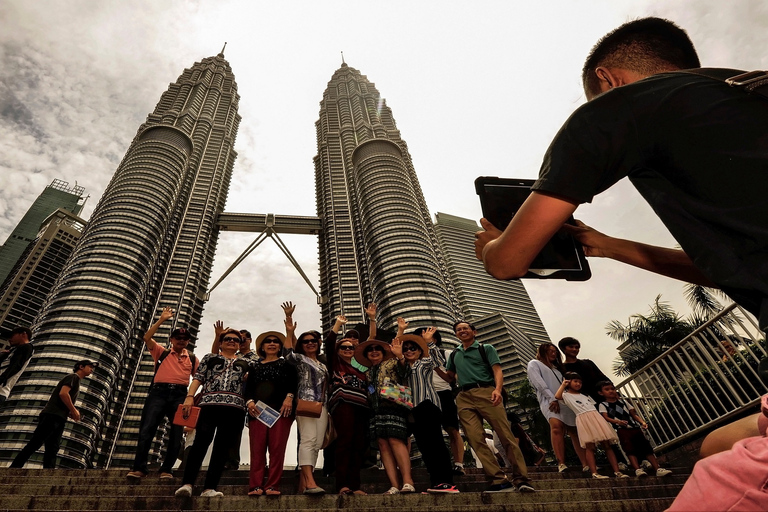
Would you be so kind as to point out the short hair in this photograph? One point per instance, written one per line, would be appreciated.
(230, 331)
(646, 45)
(246, 333)
(456, 324)
(600, 385)
(567, 342)
(22, 330)
(572, 376)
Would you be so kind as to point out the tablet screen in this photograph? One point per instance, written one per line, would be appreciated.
(562, 257)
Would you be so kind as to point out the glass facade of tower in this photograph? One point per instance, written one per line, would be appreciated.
(149, 242)
(378, 242)
(502, 311)
(56, 195)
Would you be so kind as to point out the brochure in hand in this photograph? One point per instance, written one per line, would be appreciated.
(267, 415)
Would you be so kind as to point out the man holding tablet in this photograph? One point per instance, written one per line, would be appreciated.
(695, 147)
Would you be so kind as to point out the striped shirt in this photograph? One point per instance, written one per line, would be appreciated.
(420, 379)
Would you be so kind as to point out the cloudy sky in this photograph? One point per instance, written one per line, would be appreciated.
(477, 88)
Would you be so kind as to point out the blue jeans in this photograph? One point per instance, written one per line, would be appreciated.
(162, 402)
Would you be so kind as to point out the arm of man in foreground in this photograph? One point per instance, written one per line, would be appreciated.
(508, 255)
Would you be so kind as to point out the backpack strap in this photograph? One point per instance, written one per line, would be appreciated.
(751, 82)
(483, 356)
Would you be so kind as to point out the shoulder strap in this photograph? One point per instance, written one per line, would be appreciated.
(752, 81)
(161, 358)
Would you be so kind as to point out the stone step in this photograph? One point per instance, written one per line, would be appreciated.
(617, 498)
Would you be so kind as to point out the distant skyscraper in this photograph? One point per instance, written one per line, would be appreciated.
(149, 242)
(378, 242)
(56, 195)
(502, 311)
(33, 276)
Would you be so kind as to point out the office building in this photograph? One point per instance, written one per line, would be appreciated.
(56, 195)
(149, 243)
(378, 242)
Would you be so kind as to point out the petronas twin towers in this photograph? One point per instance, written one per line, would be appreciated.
(151, 242)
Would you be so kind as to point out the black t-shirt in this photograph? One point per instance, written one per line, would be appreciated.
(697, 150)
(271, 382)
(590, 376)
(55, 403)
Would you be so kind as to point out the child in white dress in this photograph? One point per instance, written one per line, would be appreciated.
(592, 427)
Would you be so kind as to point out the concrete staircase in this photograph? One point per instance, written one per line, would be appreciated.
(108, 490)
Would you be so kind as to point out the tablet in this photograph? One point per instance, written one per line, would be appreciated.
(562, 257)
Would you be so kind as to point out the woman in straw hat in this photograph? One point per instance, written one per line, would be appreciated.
(388, 423)
(272, 381)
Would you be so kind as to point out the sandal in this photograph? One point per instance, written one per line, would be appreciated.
(360, 492)
(256, 491)
(271, 491)
(345, 491)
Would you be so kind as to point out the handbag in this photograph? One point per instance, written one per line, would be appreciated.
(330, 434)
(309, 408)
(397, 393)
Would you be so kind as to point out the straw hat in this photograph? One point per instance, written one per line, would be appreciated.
(269, 334)
(418, 340)
(360, 351)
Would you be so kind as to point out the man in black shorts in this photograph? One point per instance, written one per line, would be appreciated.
(53, 417)
(693, 146)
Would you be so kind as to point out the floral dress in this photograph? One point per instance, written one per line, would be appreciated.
(389, 419)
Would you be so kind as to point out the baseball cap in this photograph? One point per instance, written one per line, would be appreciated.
(181, 334)
(84, 362)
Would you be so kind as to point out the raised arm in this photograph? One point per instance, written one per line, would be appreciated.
(370, 311)
(218, 328)
(402, 325)
(290, 325)
(165, 315)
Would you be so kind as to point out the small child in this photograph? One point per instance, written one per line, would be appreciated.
(592, 428)
(628, 424)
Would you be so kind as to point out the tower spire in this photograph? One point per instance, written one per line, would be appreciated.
(342, 59)
(221, 53)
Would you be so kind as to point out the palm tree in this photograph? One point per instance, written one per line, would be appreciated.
(647, 336)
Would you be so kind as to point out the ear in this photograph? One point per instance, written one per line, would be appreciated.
(607, 79)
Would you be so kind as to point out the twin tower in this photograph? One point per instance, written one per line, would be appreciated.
(151, 241)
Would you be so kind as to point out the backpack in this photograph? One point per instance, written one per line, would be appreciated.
(483, 356)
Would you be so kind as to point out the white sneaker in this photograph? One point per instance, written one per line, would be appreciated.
(639, 472)
(646, 465)
(619, 474)
(561, 468)
(622, 466)
(663, 472)
(211, 493)
(598, 476)
(184, 491)
(393, 490)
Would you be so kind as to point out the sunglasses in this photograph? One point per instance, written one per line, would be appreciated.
(346, 347)
(232, 338)
(374, 348)
(411, 348)
(308, 340)
(272, 340)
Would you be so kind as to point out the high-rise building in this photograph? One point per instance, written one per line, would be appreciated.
(56, 195)
(33, 276)
(502, 311)
(378, 242)
(149, 242)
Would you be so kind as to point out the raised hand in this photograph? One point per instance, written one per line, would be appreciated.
(166, 314)
(341, 319)
(218, 328)
(402, 323)
(370, 310)
(290, 325)
(428, 333)
(397, 348)
(288, 308)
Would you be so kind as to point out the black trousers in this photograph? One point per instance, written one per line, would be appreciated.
(426, 428)
(223, 422)
(49, 429)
